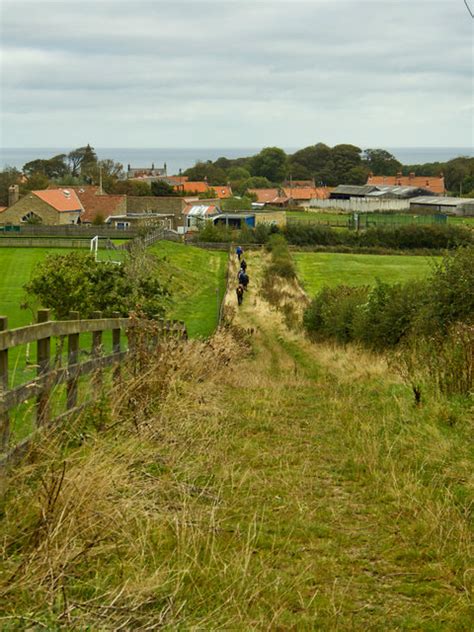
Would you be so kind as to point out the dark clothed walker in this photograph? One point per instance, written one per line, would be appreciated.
(240, 294)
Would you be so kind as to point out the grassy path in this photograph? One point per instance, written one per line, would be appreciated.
(349, 517)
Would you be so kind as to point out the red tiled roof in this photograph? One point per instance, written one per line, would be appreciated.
(434, 184)
(306, 193)
(61, 200)
(192, 187)
(222, 191)
(265, 196)
(95, 204)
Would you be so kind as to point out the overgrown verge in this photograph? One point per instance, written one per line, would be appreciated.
(279, 284)
(433, 318)
(83, 521)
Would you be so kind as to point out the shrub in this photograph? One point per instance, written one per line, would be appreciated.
(384, 315)
(409, 237)
(333, 312)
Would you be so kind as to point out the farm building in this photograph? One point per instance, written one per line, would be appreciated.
(348, 191)
(448, 205)
(435, 185)
(195, 214)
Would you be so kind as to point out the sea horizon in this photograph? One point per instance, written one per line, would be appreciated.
(183, 158)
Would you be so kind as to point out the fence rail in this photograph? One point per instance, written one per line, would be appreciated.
(48, 376)
(68, 230)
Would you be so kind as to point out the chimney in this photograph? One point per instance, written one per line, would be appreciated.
(411, 174)
(399, 174)
(13, 194)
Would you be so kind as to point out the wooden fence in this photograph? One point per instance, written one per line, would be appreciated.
(49, 376)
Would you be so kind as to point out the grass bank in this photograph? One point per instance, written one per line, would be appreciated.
(196, 279)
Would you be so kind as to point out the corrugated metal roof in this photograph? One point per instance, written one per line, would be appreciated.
(352, 189)
(201, 210)
(438, 201)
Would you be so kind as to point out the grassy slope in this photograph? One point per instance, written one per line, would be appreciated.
(196, 278)
(318, 269)
(293, 488)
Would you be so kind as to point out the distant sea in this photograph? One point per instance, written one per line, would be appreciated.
(177, 159)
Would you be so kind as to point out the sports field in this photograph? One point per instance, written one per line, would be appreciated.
(317, 269)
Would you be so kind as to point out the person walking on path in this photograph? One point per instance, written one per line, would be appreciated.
(239, 252)
(243, 265)
(245, 280)
(240, 294)
(240, 275)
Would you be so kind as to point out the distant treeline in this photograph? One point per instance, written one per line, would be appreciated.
(326, 166)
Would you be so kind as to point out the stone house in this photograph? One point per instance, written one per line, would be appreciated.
(52, 207)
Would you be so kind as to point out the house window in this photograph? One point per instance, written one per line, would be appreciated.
(31, 218)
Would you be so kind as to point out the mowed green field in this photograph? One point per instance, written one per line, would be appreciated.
(196, 279)
(317, 269)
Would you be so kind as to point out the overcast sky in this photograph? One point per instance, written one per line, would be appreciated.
(383, 73)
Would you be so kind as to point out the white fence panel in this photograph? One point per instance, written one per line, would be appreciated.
(362, 205)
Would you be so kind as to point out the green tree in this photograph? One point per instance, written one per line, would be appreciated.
(131, 187)
(357, 175)
(381, 162)
(76, 282)
(8, 177)
(206, 171)
(82, 161)
(459, 175)
(35, 182)
(270, 163)
(344, 157)
(238, 173)
(55, 167)
(162, 188)
(310, 162)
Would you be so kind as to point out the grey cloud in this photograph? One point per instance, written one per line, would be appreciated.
(195, 63)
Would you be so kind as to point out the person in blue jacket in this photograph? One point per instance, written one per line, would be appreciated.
(239, 252)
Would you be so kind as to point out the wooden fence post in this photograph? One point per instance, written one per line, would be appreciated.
(43, 360)
(116, 344)
(97, 349)
(4, 418)
(73, 358)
